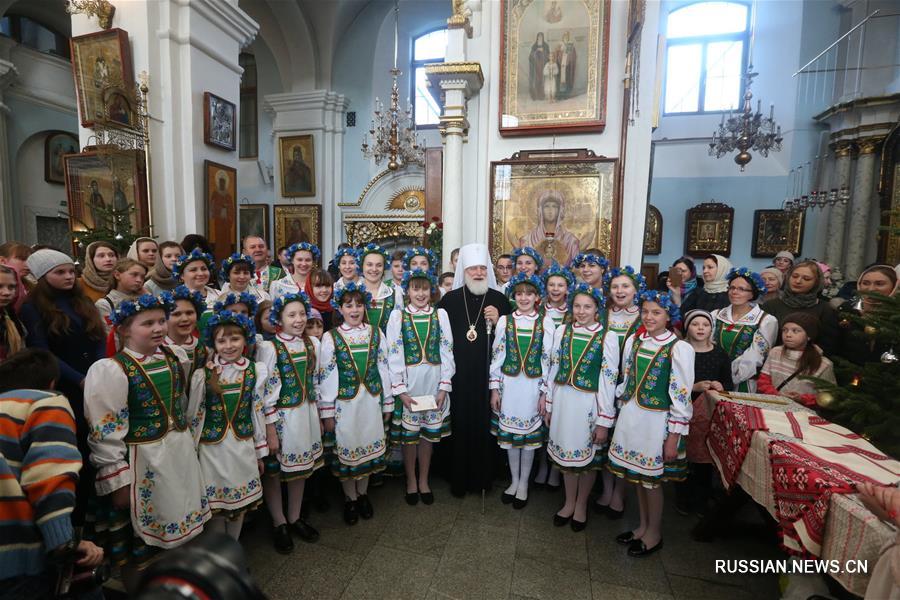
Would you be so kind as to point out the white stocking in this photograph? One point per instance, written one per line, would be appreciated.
(525, 473)
(233, 527)
(553, 479)
(515, 460)
(349, 487)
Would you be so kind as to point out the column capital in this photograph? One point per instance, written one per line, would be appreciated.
(465, 76)
(869, 145)
(316, 109)
(842, 149)
(460, 17)
(230, 19)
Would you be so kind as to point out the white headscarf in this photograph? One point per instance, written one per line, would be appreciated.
(473, 255)
(719, 284)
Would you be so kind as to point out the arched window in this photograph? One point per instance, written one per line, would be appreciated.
(706, 57)
(35, 34)
(248, 123)
(427, 49)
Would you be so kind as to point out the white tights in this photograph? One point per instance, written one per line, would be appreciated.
(520, 461)
(354, 488)
(272, 495)
(230, 526)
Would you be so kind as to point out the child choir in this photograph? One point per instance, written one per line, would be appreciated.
(218, 401)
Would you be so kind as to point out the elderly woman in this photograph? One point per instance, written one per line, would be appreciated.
(855, 345)
(801, 294)
(774, 280)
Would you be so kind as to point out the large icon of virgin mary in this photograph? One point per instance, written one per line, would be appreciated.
(550, 237)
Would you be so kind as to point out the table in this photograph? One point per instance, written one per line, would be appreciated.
(851, 530)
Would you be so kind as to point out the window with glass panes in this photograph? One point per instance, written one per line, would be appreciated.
(248, 126)
(706, 57)
(427, 49)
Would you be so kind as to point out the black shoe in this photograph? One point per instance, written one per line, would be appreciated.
(412, 498)
(519, 504)
(614, 515)
(365, 507)
(625, 538)
(578, 525)
(638, 549)
(507, 498)
(427, 498)
(560, 521)
(281, 539)
(351, 512)
(305, 531)
(600, 509)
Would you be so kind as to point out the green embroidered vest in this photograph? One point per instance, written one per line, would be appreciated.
(513, 363)
(622, 335)
(151, 404)
(348, 371)
(648, 378)
(412, 340)
(224, 409)
(381, 312)
(734, 339)
(198, 355)
(583, 372)
(296, 388)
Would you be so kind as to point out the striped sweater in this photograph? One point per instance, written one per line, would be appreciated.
(39, 465)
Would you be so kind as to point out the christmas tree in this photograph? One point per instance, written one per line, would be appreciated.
(110, 224)
(868, 402)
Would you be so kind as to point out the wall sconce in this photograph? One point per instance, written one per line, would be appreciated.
(102, 9)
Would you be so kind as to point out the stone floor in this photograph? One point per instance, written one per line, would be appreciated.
(452, 550)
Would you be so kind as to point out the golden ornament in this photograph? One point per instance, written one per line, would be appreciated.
(870, 331)
(825, 399)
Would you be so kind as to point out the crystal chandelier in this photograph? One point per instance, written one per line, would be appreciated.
(747, 130)
(796, 201)
(393, 131)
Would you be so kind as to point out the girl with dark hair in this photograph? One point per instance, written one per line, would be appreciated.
(12, 333)
(126, 283)
(193, 241)
(160, 279)
(320, 291)
(686, 279)
(714, 293)
(303, 258)
(101, 258)
(801, 294)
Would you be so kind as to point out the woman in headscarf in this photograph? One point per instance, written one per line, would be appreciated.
(685, 267)
(160, 279)
(774, 280)
(144, 250)
(714, 294)
(550, 237)
(855, 345)
(801, 294)
(100, 260)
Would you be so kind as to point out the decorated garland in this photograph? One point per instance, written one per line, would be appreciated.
(129, 308)
(351, 287)
(529, 251)
(418, 274)
(196, 254)
(582, 288)
(555, 270)
(753, 278)
(532, 280)
(245, 298)
(234, 259)
(348, 251)
(280, 303)
(664, 301)
(590, 258)
(420, 251)
(640, 283)
(226, 317)
(183, 293)
(311, 248)
(372, 248)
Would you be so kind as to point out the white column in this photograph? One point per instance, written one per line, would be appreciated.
(837, 219)
(8, 73)
(861, 207)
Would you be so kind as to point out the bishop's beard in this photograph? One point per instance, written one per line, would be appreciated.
(477, 287)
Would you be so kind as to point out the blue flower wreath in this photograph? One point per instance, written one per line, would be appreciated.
(234, 259)
(372, 248)
(245, 298)
(555, 270)
(280, 303)
(351, 287)
(590, 258)
(348, 251)
(420, 251)
(183, 293)
(583, 288)
(529, 251)
(665, 301)
(640, 283)
(418, 274)
(754, 278)
(195, 255)
(129, 308)
(226, 317)
(311, 248)
(532, 280)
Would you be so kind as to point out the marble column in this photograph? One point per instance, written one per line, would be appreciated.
(8, 73)
(837, 219)
(861, 207)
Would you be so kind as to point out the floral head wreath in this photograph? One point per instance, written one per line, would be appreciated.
(582, 288)
(755, 280)
(418, 274)
(640, 283)
(129, 308)
(373, 248)
(183, 293)
(664, 301)
(245, 298)
(194, 255)
(532, 280)
(311, 248)
(226, 317)
(420, 251)
(280, 303)
(237, 258)
(529, 251)
(348, 251)
(555, 270)
(598, 260)
(351, 287)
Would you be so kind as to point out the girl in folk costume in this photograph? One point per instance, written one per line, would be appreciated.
(420, 356)
(520, 359)
(373, 260)
(140, 439)
(126, 283)
(528, 261)
(580, 402)
(100, 260)
(347, 262)
(320, 295)
(293, 426)
(743, 330)
(315, 326)
(226, 411)
(237, 270)
(185, 307)
(353, 401)
(159, 279)
(420, 258)
(195, 271)
(590, 268)
(648, 444)
(303, 257)
(242, 304)
(623, 287)
(264, 326)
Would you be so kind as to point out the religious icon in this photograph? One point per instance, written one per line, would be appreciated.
(56, 145)
(219, 122)
(553, 66)
(221, 190)
(653, 231)
(559, 202)
(776, 230)
(254, 220)
(295, 223)
(298, 171)
(709, 228)
(100, 61)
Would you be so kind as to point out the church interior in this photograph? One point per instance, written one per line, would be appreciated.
(645, 131)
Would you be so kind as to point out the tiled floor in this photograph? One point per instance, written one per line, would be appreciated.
(452, 550)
